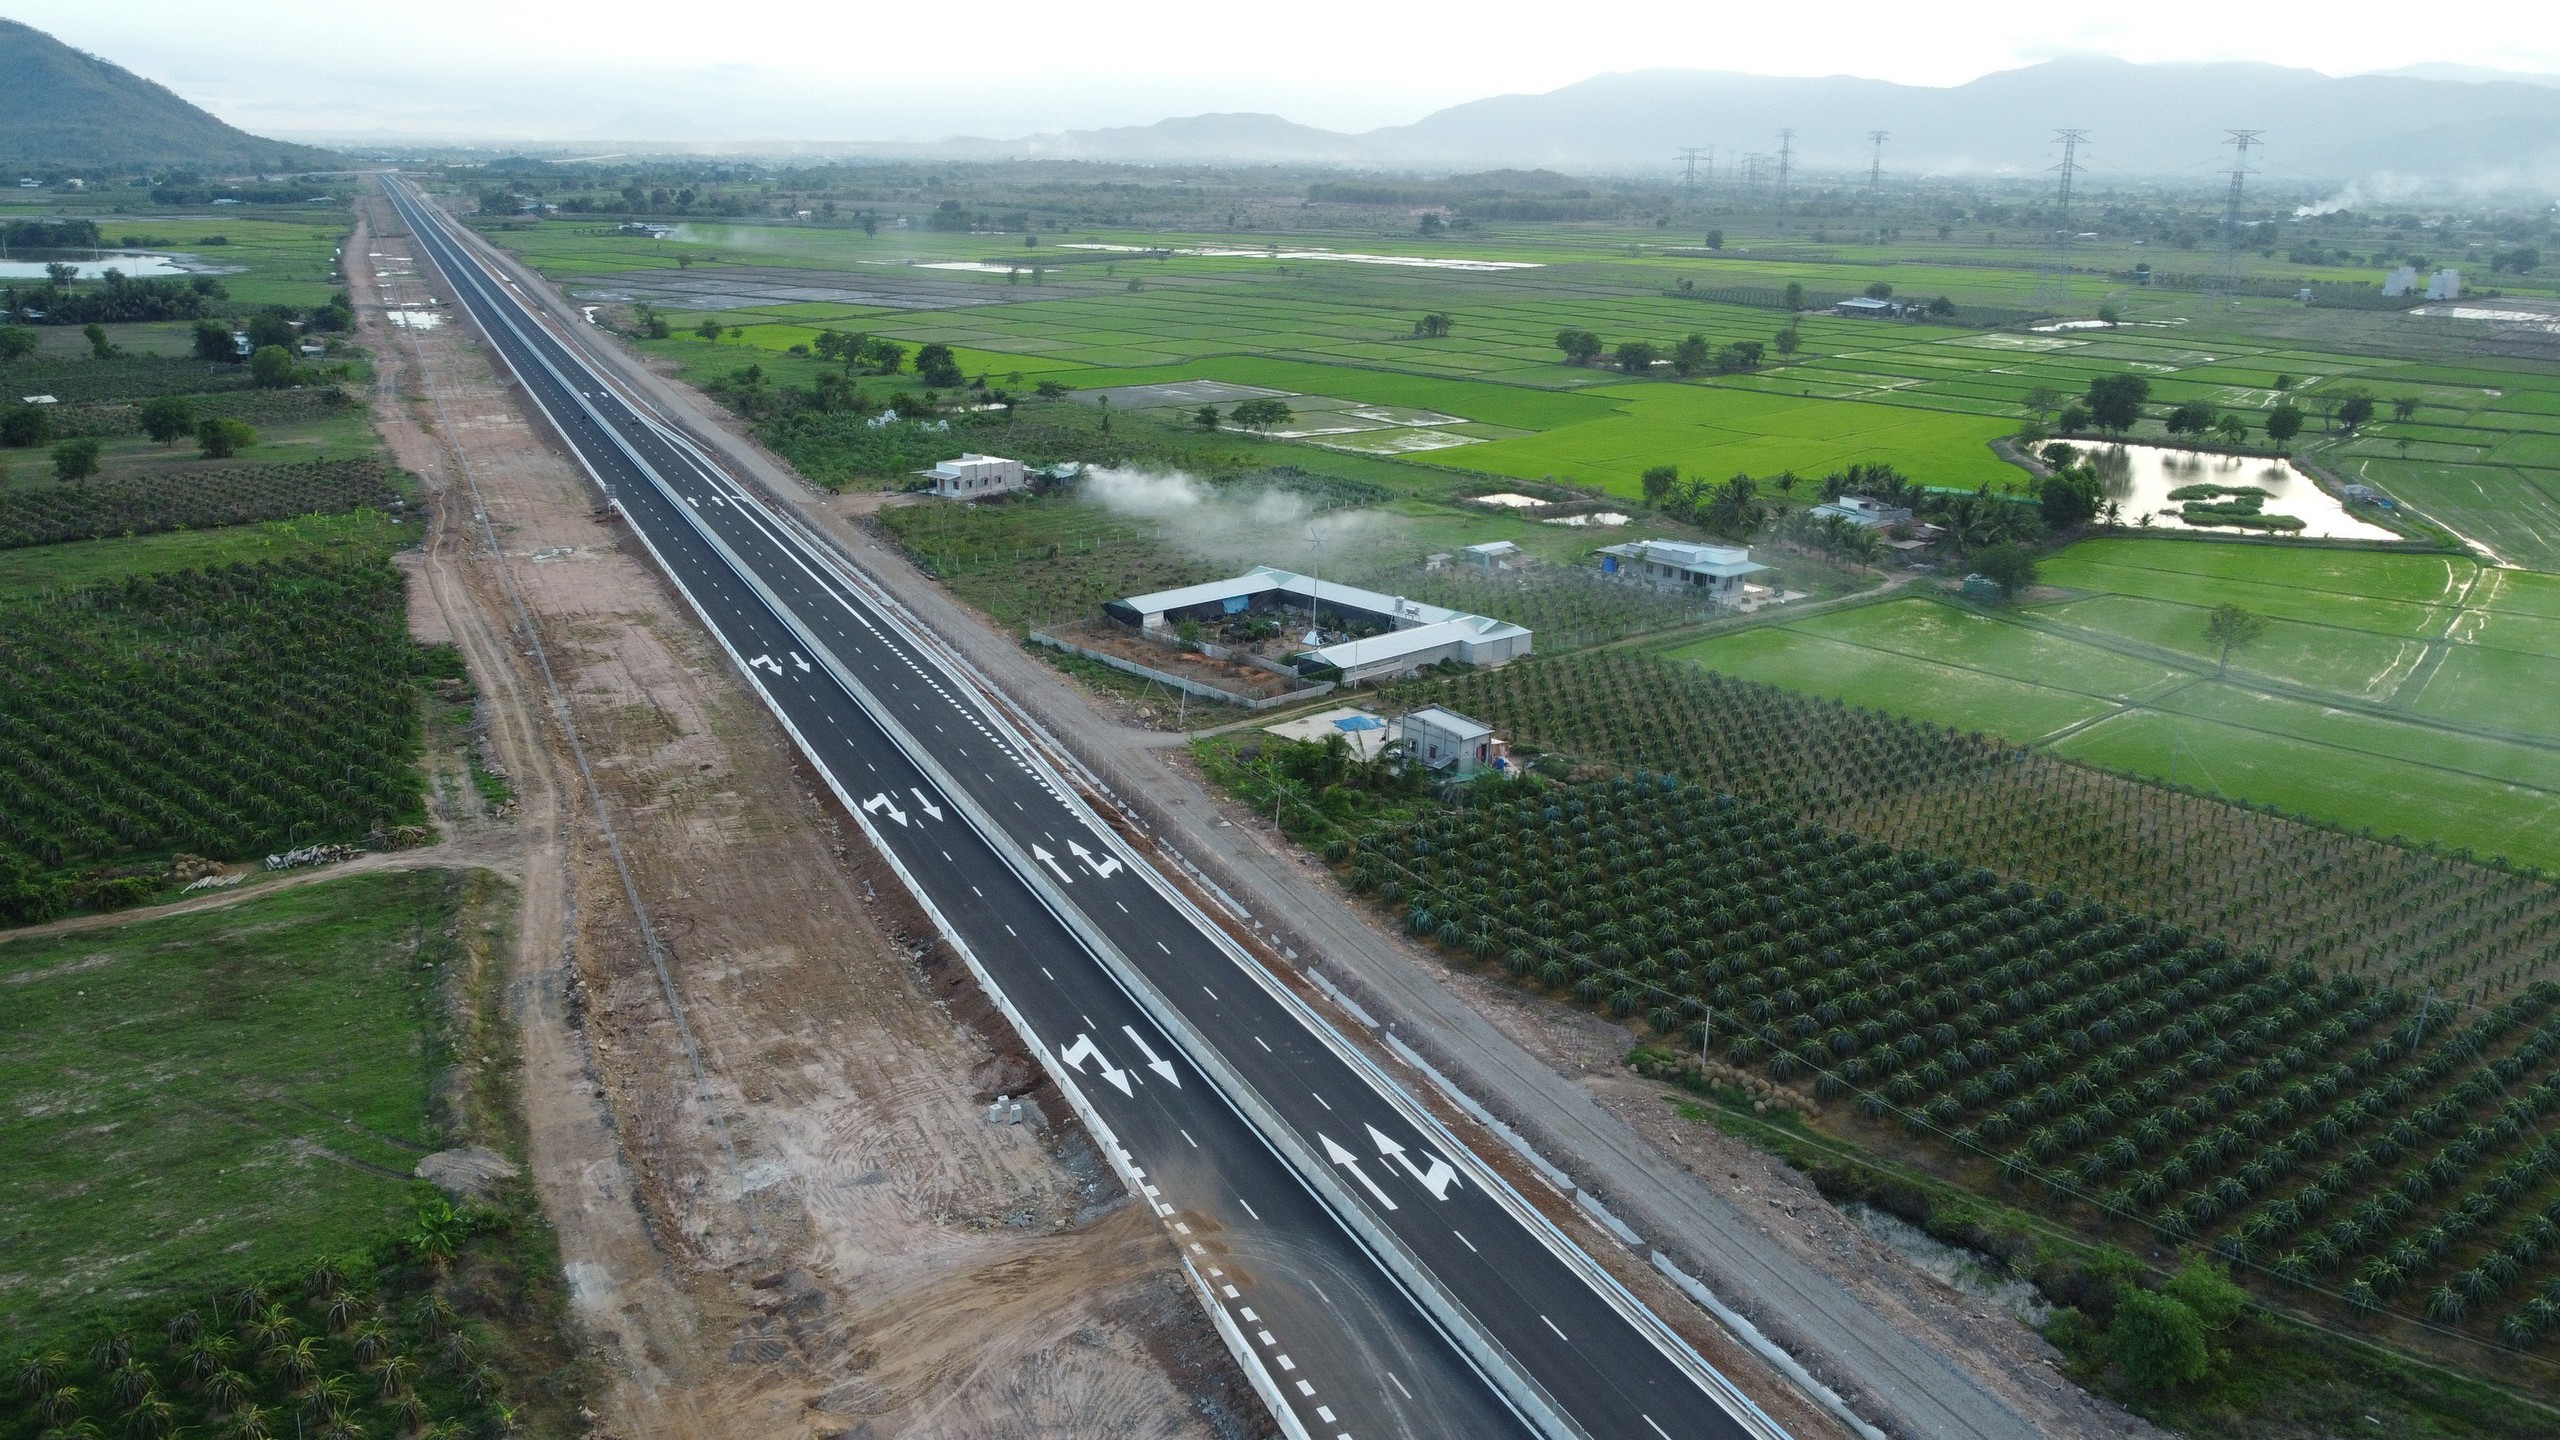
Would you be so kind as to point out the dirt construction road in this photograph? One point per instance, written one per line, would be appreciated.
(755, 1098)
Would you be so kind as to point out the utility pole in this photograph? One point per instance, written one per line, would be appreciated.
(1786, 162)
(2226, 276)
(2053, 282)
(1875, 185)
(1689, 169)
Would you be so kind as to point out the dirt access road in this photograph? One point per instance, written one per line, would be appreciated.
(755, 1098)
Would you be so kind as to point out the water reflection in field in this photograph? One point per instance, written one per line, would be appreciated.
(2138, 479)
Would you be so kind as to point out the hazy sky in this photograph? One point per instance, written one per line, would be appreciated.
(829, 69)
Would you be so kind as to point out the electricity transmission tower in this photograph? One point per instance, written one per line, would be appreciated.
(2226, 272)
(2053, 281)
(1689, 169)
(1875, 186)
(1786, 162)
(1751, 178)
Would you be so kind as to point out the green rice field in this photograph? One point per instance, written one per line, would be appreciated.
(2408, 693)
(2482, 457)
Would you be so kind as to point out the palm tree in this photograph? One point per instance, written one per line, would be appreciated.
(326, 1278)
(183, 1327)
(395, 1375)
(268, 1328)
(113, 1351)
(205, 1355)
(373, 1340)
(61, 1404)
(344, 1306)
(248, 1422)
(328, 1397)
(129, 1382)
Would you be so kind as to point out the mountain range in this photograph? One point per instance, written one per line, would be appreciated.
(62, 108)
(2156, 121)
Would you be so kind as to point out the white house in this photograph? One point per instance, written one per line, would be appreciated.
(1442, 739)
(1864, 510)
(1715, 571)
(2445, 285)
(973, 477)
(2399, 282)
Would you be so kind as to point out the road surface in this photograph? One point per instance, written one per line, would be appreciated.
(1383, 1280)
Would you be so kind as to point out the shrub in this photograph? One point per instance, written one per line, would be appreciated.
(222, 439)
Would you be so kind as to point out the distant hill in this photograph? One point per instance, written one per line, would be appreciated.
(2438, 127)
(62, 109)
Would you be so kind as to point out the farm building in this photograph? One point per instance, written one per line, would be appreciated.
(1386, 635)
(1716, 571)
(1869, 307)
(1442, 739)
(973, 477)
(1862, 510)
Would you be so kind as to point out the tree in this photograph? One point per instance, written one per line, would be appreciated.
(17, 342)
(1789, 340)
(2107, 315)
(2206, 1289)
(167, 418)
(1942, 307)
(710, 330)
(1691, 355)
(100, 348)
(220, 439)
(1431, 223)
(23, 427)
(2070, 496)
(1433, 326)
(2355, 407)
(2157, 1341)
(1206, 417)
(1715, 239)
(1659, 483)
(1795, 294)
(2074, 418)
(272, 367)
(77, 458)
(1636, 357)
(1880, 290)
(1580, 347)
(1049, 390)
(2404, 407)
(2283, 423)
(1734, 510)
(2231, 429)
(2042, 401)
(213, 341)
(1739, 356)
(2231, 628)
(2115, 401)
(58, 273)
(269, 328)
(937, 367)
(1261, 414)
(2009, 565)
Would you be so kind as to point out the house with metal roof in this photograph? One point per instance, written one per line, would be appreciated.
(1405, 634)
(1713, 571)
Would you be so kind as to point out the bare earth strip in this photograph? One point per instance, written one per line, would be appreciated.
(802, 1223)
(1911, 1353)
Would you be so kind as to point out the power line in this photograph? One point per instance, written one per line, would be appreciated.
(2053, 279)
(1875, 184)
(2226, 274)
(1689, 171)
(1786, 163)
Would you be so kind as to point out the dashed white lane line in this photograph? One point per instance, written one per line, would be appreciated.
(1321, 1101)
(1248, 1207)
(1306, 1389)
(1392, 1380)
(1186, 1135)
(1212, 994)
(1656, 1429)
(1266, 1049)
(1463, 1240)
(1550, 1324)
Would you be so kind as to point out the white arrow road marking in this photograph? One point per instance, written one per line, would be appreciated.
(929, 807)
(766, 661)
(1045, 858)
(1161, 1067)
(1084, 1049)
(1103, 865)
(797, 659)
(1351, 1162)
(880, 802)
(1437, 1179)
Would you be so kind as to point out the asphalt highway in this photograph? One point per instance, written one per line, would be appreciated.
(1385, 1279)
